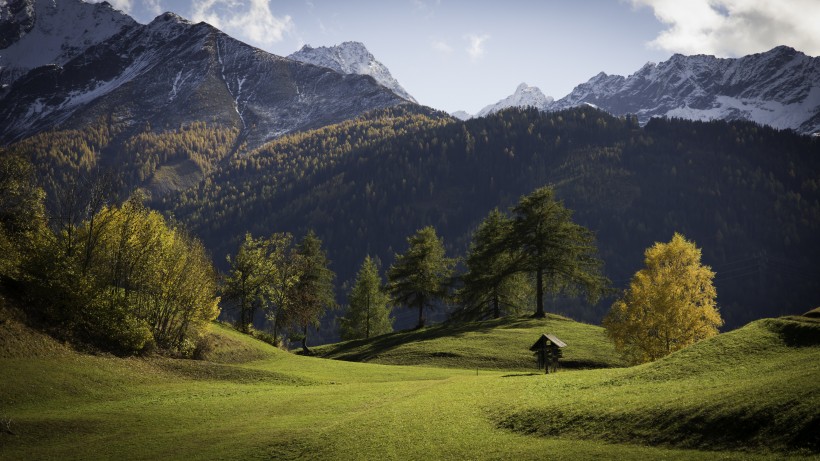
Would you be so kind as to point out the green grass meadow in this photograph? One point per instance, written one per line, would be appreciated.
(753, 393)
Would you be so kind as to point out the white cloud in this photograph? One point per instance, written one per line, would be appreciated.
(735, 27)
(442, 47)
(251, 20)
(476, 45)
(153, 6)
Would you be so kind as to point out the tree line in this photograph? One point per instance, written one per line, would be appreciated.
(124, 278)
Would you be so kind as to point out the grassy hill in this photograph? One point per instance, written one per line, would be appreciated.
(752, 393)
(501, 344)
(756, 388)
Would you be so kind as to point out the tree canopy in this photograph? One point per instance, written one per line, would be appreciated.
(313, 289)
(493, 279)
(421, 276)
(548, 244)
(670, 304)
(247, 282)
(368, 312)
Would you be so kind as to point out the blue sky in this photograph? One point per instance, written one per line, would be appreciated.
(463, 55)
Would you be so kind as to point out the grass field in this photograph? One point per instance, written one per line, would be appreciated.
(750, 394)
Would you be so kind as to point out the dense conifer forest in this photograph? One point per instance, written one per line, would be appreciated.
(746, 194)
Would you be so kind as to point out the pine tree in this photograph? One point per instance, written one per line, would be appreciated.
(368, 314)
(314, 288)
(420, 276)
(492, 278)
(670, 304)
(554, 248)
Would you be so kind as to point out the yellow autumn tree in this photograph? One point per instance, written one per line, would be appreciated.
(670, 304)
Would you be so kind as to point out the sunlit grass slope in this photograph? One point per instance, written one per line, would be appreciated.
(756, 388)
(65, 405)
(501, 344)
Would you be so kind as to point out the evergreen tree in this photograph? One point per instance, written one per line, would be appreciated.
(421, 276)
(368, 314)
(248, 280)
(670, 304)
(314, 288)
(492, 278)
(555, 249)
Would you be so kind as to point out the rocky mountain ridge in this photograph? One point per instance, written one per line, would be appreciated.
(172, 72)
(778, 88)
(351, 58)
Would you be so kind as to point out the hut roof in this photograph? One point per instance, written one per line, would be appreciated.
(547, 337)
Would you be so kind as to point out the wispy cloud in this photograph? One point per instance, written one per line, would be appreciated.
(251, 20)
(735, 27)
(475, 48)
(426, 8)
(442, 47)
(154, 6)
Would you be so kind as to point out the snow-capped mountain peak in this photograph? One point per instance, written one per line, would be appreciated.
(351, 58)
(524, 96)
(779, 88)
(461, 115)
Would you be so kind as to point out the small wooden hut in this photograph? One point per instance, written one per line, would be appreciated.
(547, 352)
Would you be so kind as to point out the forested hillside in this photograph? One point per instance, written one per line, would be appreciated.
(748, 195)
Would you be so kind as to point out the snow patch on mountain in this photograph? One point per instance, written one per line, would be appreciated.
(351, 58)
(53, 32)
(461, 115)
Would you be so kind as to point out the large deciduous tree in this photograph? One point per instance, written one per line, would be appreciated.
(22, 213)
(285, 269)
(149, 272)
(670, 304)
(368, 313)
(554, 248)
(421, 276)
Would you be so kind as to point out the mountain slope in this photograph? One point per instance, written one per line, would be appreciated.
(779, 88)
(351, 58)
(172, 72)
(35, 33)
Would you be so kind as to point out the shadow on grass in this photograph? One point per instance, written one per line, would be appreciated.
(363, 350)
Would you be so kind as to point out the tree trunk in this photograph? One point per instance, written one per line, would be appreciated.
(496, 308)
(421, 315)
(304, 341)
(367, 324)
(539, 290)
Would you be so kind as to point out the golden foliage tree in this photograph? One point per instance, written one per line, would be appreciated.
(670, 304)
